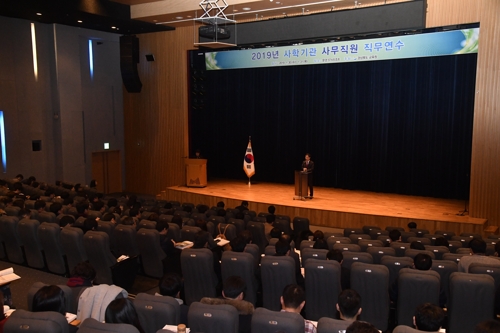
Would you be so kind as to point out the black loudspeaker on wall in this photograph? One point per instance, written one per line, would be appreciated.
(129, 58)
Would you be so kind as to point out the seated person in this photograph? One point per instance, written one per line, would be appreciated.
(320, 244)
(318, 234)
(428, 317)
(51, 298)
(232, 294)
(412, 226)
(82, 277)
(268, 226)
(293, 300)
(345, 273)
(395, 235)
(477, 255)
(488, 326)
(122, 311)
(361, 327)
(441, 241)
(349, 305)
(283, 249)
(275, 232)
(171, 285)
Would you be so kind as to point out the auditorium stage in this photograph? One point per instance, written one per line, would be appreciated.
(335, 208)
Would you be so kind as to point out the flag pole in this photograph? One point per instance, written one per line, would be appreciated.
(249, 140)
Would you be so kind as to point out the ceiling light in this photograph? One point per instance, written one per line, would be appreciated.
(277, 2)
(113, 27)
(235, 10)
(79, 21)
(246, 8)
(39, 14)
(189, 16)
(179, 17)
(155, 20)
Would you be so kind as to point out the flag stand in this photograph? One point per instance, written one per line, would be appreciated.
(249, 183)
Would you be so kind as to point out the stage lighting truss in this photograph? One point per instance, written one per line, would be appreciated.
(214, 11)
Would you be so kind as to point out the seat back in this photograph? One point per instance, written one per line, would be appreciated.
(412, 253)
(10, 235)
(454, 245)
(422, 240)
(415, 287)
(353, 257)
(300, 224)
(394, 265)
(378, 252)
(372, 284)
(255, 252)
(309, 253)
(306, 244)
(267, 321)
(199, 276)
(238, 224)
(351, 231)
(407, 234)
(283, 225)
(447, 234)
(488, 269)
(438, 251)
(329, 325)
(148, 243)
(405, 329)
(241, 264)
(277, 273)
(174, 232)
(228, 230)
(472, 299)
(188, 233)
(47, 217)
(453, 257)
(400, 248)
(374, 233)
(90, 325)
(355, 238)
(146, 224)
(433, 237)
(365, 244)
(213, 318)
(28, 234)
(125, 240)
(156, 311)
(22, 321)
(72, 245)
(445, 268)
(96, 244)
(332, 240)
(258, 234)
(50, 235)
(323, 287)
(347, 247)
(368, 228)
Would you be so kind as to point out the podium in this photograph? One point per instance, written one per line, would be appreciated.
(300, 185)
(196, 172)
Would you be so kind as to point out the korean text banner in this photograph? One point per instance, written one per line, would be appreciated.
(396, 47)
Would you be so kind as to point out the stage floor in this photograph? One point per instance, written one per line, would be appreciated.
(330, 201)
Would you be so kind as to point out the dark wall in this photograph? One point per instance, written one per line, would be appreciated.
(399, 16)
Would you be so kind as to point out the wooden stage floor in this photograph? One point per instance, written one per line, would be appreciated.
(335, 207)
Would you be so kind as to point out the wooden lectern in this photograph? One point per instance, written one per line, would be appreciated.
(300, 185)
(196, 172)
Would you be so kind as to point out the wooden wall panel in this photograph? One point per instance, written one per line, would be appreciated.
(485, 163)
(156, 119)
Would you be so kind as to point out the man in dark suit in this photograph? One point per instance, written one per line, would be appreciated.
(308, 166)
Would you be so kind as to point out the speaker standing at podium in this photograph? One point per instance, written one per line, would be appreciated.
(308, 166)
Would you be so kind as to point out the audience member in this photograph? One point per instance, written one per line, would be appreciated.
(233, 294)
(89, 224)
(275, 232)
(318, 234)
(271, 210)
(361, 327)
(412, 226)
(293, 300)
(171, 285)
(349, 305)
(428, 317)
(477, 255)
(283, 249)
(243, 207)
(395, 235)
(268, 226)
(345, 273)
(82, 275)
(122, 311)
(66, 221)
(441, 241)
(51, 298)
(320, 244)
